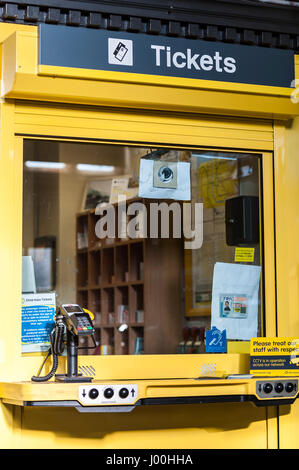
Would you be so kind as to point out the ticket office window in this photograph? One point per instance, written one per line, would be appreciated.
(156, 275)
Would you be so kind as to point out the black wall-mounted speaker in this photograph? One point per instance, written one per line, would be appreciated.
(242, 220)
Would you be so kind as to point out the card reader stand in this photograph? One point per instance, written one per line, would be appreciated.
(77, 323)
(72, 375)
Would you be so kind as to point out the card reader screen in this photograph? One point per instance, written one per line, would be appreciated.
(72, 309)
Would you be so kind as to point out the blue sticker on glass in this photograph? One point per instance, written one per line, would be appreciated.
(216, 341)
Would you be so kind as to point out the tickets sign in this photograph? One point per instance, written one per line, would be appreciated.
(274, 356)
(146, 54)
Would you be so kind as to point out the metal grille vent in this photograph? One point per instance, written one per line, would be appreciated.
(87, 371)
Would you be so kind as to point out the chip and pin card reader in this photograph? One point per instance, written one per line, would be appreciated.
(75, 322)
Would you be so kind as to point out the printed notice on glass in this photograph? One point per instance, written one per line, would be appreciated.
(245, 255)
(235, 299)
(274, 356)
(38, 312)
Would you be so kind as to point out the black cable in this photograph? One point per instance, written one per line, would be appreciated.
(58, 342)
(56, 348)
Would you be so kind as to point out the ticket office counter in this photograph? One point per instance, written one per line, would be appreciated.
(73, 116)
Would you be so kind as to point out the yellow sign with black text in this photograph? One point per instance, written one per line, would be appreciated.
(274, 356)
(244, 255)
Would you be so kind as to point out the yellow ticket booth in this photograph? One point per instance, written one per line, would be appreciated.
(82, 111)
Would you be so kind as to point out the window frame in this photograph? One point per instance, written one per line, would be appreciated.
(19, 127)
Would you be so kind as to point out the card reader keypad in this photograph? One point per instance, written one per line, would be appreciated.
(84, 325)
(116, 394)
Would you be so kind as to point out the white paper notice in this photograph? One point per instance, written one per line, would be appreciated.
(235, 299)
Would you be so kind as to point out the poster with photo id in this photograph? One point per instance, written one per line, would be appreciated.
(235, 297)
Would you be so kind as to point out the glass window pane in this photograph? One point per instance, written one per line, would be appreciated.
(143, 265)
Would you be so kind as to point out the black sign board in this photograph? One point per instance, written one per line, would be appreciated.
(166, 56)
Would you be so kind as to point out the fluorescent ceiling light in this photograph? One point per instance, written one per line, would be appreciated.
(95, 168)
(45, 165)
(210, 157)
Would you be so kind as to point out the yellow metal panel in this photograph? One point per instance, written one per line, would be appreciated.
(131, 126)
(288, 427)
(10, 240)
(135, 127)
(22, 81)
(287, 261)
(22, 392)
(10, 262)
(161, 427)
(6, 30)
(268, 284)
(69, 72)
(28, 391)
(287, 226)
(140, 367)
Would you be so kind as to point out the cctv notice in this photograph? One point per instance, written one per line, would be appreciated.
(274, 356)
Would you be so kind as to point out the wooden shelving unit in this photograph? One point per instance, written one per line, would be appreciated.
(143, 274)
